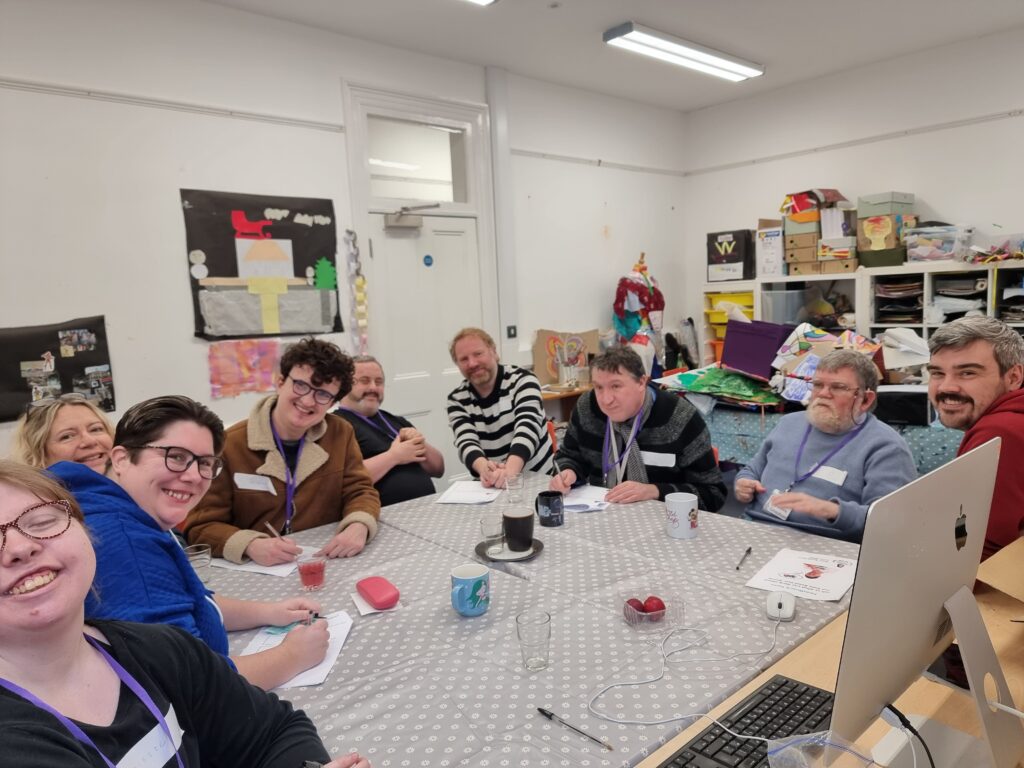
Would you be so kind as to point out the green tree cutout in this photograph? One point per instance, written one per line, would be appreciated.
(325, 276)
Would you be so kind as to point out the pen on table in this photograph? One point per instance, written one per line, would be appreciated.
(744, 557)
(552, 716)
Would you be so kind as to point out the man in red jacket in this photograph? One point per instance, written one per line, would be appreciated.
(976, 373)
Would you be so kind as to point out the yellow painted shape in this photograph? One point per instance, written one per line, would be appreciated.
(268, 289)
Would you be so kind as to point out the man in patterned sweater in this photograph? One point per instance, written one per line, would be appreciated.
(496, 414)
(639, 443)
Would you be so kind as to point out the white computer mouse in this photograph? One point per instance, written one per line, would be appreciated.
(781, 606)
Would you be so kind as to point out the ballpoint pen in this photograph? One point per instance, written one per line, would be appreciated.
(552, 716)
(272, 529)
(744, 557)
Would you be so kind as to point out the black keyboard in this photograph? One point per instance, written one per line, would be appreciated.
(779, 708)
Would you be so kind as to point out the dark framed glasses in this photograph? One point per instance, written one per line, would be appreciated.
(180, 459)
(303, 388)
(46, 520)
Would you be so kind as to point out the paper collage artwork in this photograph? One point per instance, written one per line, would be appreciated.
(261, 265)
(243, 366)
(46, 361)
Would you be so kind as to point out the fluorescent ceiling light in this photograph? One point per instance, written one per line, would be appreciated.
(393, 164)
(481, 2)
(674, 50)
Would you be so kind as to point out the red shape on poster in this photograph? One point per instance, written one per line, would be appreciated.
(249, 230)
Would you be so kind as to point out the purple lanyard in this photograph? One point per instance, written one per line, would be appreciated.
(78, 733)
(289, 476)
(606, 458)
(800, 453)
(387, 429)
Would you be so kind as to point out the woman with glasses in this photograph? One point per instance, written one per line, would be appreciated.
(291, 466)
(65, 428)
(77, 693)
(163, 460)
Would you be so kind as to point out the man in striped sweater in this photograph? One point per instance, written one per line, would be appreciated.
(639, 443)
(496, 414)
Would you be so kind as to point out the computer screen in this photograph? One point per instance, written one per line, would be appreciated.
(921, 544)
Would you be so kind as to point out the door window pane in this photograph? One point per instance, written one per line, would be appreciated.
(416, 161)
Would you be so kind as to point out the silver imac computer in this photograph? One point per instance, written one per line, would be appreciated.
(918, 561)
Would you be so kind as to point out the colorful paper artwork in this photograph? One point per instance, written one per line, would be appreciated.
(243, 366)
(46, 361)
(260, 265)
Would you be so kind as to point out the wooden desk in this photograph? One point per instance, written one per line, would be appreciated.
(816, 662)
(566, 399)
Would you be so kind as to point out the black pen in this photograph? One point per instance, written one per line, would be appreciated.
(552, 716)
(743, 558)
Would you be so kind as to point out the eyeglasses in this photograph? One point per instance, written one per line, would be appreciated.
(180, 459)
(834, 387)
(365, 381)
(46, 520)
(303, 388)
(38, 406)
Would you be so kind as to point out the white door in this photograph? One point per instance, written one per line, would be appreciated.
(424, 285)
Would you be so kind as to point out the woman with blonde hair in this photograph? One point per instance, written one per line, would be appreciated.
(66, 428)
(95, 694)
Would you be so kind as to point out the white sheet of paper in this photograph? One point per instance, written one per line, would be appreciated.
(585, 498)
(246, 482)
(468, 492)
(339, 623)
(366, 609)
(805, 574)
(284, 569)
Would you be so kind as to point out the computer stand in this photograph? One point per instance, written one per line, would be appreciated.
(1003, 743)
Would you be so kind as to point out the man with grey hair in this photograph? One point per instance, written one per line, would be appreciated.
(639, 443)
(975, 378)
(820, 470)
(397, 456)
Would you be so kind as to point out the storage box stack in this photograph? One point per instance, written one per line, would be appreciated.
(881, 219)
(730, 255)
(802, 228)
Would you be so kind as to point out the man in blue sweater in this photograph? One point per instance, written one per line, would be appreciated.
(820, 470)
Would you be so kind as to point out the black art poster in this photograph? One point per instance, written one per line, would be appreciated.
(261, 265)
(44, 361)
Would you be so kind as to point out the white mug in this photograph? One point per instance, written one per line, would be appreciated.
(681, 519)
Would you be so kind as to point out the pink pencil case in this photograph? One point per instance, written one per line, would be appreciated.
(378, 592)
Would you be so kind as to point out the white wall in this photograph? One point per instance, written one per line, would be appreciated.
(964, 174)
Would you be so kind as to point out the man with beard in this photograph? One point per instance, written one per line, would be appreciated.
(397, 456)
(496, 414)
(820, 470)
(976, 372)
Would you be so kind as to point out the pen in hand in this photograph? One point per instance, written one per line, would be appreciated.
(272, 529)
(744, 557)
(552, 716)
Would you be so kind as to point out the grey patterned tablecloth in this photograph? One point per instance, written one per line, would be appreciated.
(423, 686)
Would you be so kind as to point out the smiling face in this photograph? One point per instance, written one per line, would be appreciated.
(478, 363)
(78, 435)
(619, 395)
(837, 409)
(963, 382)
(367, 395)
(42, 582)
(164, 495)
(294, 414)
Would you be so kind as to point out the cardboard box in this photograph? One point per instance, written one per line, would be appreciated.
(798, 228)
(805, 268)
(801, 254)
(884, 204)
(839, 222)
(576, 346)
(879, 233)
(730, 255)
(837, 248)
(769, 254)
(838, 266)
(890, 257)
(808, 240)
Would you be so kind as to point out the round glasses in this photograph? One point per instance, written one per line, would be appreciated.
(303, 388)
(180, 459)
(46, 520)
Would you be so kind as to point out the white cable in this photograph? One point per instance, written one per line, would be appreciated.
(910, 741)
(1008, 710)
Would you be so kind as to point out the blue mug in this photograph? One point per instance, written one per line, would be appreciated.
(471, 589)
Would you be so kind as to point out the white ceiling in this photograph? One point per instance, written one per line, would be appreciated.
(560, 40)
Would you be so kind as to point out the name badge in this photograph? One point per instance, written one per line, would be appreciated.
(831, 475)
(652, 459)
(770, 507)
(246, 482)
